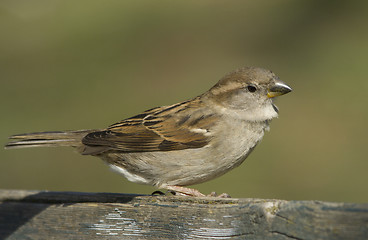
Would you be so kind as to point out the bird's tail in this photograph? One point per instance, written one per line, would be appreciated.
(47, 139)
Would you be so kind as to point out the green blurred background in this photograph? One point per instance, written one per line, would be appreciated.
(86, 64)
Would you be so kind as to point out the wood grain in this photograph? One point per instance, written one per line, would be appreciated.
(74, 215)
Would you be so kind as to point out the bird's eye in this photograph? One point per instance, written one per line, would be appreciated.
(251, 88)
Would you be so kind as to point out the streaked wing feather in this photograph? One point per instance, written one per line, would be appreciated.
(158, 129)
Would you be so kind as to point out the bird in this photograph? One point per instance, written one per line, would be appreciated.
(190, 142)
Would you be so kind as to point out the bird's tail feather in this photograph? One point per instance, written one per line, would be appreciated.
(47, 139)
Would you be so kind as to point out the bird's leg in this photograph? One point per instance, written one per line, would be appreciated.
(183, 191)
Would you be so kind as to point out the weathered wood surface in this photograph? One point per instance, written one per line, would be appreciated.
(69, 215)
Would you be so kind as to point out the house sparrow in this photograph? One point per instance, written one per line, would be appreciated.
(185, 143)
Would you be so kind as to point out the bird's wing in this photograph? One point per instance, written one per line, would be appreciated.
(176, 127)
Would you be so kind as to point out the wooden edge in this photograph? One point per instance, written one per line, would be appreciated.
(8, 195)
(63, 197)
(100, 197)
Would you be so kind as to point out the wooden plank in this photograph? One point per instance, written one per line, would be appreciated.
(72, 215)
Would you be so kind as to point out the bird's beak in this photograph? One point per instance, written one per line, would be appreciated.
(280, 88)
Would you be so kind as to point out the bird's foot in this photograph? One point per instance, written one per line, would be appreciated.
(183, 191)
(222, 195)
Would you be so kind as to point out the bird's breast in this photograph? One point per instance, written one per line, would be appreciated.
(234, 142)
